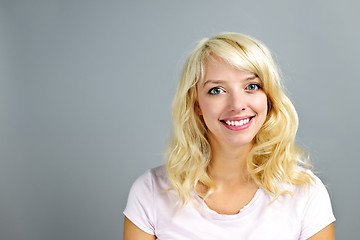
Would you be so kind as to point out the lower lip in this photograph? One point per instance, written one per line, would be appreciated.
(238, 128)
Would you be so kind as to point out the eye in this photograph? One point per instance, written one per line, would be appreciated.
(215, 91)
(253, 87)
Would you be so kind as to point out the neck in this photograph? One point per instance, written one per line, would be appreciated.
(228, 163)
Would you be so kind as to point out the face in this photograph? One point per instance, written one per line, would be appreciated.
(232, 104)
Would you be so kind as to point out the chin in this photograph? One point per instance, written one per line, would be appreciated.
(241, 143)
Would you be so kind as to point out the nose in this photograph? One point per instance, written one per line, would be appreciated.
(237, 102)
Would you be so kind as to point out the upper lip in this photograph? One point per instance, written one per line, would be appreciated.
(236, 118)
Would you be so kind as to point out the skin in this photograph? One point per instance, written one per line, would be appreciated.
(327, 233)
(229, 93)
(226, 93)
(132, 232)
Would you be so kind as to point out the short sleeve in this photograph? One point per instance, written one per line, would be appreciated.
(318, 211)
(139, 208)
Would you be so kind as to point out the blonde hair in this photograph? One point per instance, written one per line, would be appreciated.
(274, 158)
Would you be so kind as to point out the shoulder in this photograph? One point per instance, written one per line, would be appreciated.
(308, 207)
(316, 210)
(315, 190)
(307, 181)
(316, 186)
(318, 196)
(316, 180)
(152, 180)
(141, 205)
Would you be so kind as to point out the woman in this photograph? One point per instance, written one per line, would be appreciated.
(233, 170)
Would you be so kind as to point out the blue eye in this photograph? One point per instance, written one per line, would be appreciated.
(253, 87)
(215, 91)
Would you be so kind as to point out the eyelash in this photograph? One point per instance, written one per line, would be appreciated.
(258, 87)
(210, 92)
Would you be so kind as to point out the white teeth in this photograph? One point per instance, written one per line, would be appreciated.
(237, 123)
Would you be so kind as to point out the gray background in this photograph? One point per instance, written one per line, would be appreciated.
(85, 97)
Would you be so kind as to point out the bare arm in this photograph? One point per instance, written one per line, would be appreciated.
(132, 232)
(327, 233)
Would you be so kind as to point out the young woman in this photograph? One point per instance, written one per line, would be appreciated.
(233, 170)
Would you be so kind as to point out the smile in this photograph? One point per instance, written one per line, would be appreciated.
(237, 123)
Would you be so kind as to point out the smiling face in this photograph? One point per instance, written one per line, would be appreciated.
(231, 102)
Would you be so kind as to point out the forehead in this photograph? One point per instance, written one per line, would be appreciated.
(216, 68)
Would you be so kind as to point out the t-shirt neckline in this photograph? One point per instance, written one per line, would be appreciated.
(243, 211)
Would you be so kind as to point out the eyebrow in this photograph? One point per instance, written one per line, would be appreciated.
(222, 81)
(213, 82)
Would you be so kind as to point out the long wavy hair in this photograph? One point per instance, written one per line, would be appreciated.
(274, 158)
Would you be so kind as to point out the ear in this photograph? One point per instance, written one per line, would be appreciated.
(197, 109)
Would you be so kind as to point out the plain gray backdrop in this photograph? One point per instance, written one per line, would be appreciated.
(86, 88)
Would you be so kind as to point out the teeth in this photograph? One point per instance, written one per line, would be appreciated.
(237, 123)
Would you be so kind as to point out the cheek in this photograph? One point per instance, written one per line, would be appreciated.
(207, 109)
(209, 112)
(261, 104)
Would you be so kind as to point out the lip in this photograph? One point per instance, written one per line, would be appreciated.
(238, 128)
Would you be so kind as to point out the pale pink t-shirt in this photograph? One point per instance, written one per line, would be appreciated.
(153, 210)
